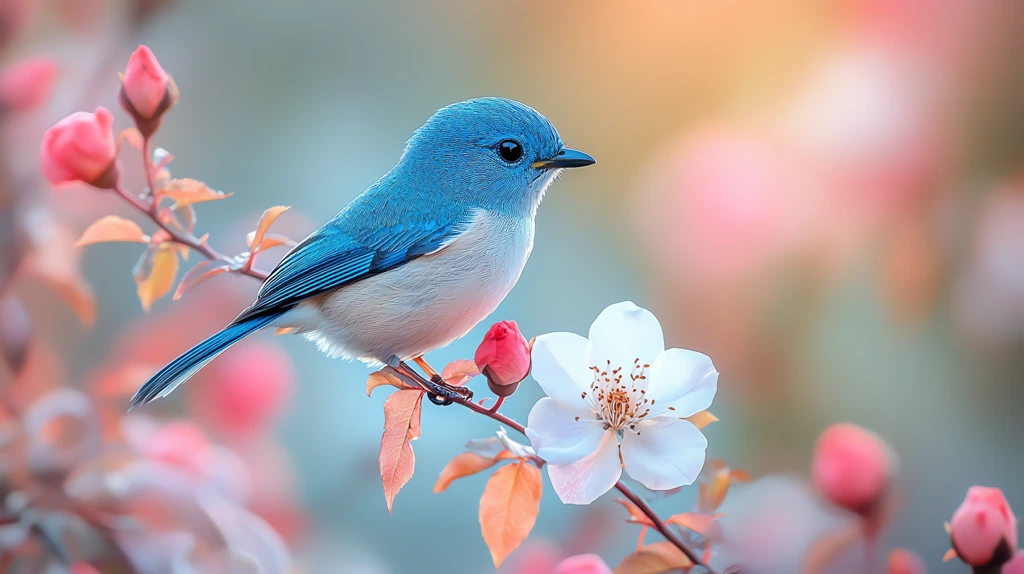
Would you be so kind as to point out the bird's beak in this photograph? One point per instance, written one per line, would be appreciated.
(566, 158)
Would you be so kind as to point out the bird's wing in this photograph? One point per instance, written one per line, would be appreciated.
(330, 258)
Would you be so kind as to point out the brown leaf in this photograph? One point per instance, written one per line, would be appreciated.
(702, 419)
(827, 548)
(654, 559)
(509, 508)
(188, 191)
(154, 276)
(458, 373)
(132, 136)
(112, 228)
(268, 218)
(465, 464)
(384, 377)
(636, 515)
(197, 275)
(401, 426)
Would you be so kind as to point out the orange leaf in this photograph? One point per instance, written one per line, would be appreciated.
(459, 372)
(703, 524)
(712, 494)
(112, 228)
(132, 136)
(78, 295)
(654, 559)
(737, 476)
(636, 515)
(401, 426)
(702, 419)
(188, 191)
(198, 275)
(270, 241)
(827, 548)
(154, 276)
(268, 218)
(509, 508)
(384, 377)
(949, 555)
(465, 464)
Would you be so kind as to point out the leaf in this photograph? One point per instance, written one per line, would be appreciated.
(636, 515)
(268, 218)
(509, 508)
(465, 464)
(458, 373)
(112, 228)
(827, 548)
(703, 524)
(384, 377)
(654, 559)
(401, 426)
(270, 241)
(702, 419)
(132, 136)
(949, 555)
(188, 191)
(197, 275)
(155, 273)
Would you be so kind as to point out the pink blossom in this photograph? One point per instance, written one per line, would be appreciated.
(981, 525)
(583, 564)
(80, 147)
(902, 561)
(851, 467)
(504, 356)
(28, 83)
(181, 444)
(145, 83)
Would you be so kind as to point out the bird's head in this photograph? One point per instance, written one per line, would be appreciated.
(490, 152)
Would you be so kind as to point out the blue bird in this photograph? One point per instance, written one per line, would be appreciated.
(419, 258)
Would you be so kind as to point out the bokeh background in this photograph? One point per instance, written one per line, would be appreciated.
(826, 197)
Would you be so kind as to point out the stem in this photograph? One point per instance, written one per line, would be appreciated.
(186, 239)
(659, 524)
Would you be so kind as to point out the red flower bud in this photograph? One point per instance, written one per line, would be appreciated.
(503, 357)
(902, 561)
(81, 147)
(984, 529)
(27, 84)
(851, 467)
(146, 85)
(583, 564)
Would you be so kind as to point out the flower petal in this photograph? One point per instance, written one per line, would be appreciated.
(664, 453)
(583, 481)
(623, 333)
(560, 365)
(563, 432)
(684, 380)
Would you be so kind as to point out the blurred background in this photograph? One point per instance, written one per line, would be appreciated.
(826, 197)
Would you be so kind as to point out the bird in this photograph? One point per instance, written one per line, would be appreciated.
(420, 257)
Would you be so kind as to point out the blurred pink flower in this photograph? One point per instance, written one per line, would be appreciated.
(80, 147)
(722, 204)
(146, 84)
(983, 529)
(1015, 565)
(181, 444)
(902, 561)
(28, 83)
(504, 357)
(851, 467)
(245, 389)
(583, 564)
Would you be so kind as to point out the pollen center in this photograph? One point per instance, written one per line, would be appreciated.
(620, 401)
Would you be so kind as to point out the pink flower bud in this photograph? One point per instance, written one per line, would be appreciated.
(504, 357)
(146, 85)
(27, 84)
(80, 147)
(851, 467)
(583, 564)
(984, 529)
(245, 390)
(902, 561)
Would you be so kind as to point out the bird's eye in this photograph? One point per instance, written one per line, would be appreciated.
(510, 151)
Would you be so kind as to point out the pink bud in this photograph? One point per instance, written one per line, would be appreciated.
(851, 467)
(245, 389)
(583, 564)
(80, 147)
(27, 84)
(902, 561)
(146, 84)
(504, 357)
(983, 524)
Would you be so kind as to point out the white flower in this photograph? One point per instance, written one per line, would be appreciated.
(617, 401)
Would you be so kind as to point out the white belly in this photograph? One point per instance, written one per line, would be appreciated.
(427, 303)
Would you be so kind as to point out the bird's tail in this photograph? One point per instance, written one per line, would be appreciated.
(181, 369)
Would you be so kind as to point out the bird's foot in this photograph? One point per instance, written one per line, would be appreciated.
(438, 391)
